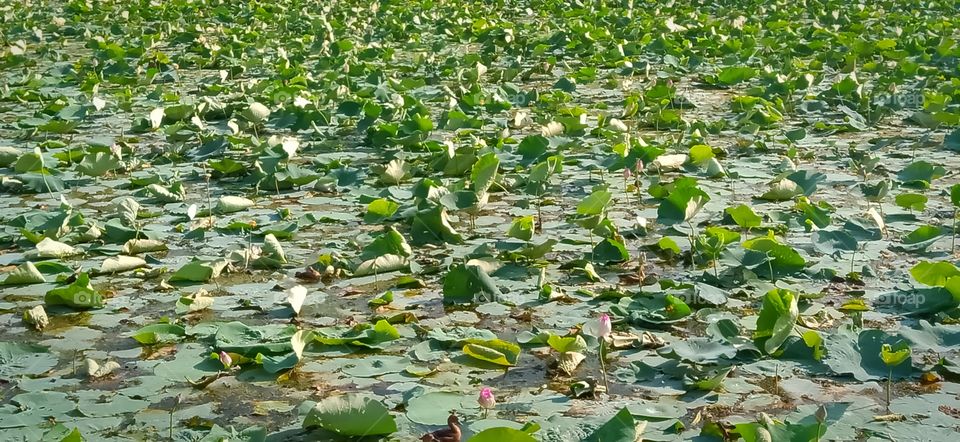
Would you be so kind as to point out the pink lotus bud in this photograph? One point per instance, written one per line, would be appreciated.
(606, 327)
(639, 167)
(626, 173)
(225, 359)
(486, 399)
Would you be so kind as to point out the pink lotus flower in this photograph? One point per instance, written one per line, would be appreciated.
(606, 327)
(639, 167)
(626, 173)
(486, 400)
(226, 360)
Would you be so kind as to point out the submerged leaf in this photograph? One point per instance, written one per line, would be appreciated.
(22, 359)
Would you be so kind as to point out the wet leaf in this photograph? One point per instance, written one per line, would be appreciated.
(894, 356)
(777, 319)
(744, 216)
(495, 351)
(379, 210)
(49, 248)
(433, 227)
(468, 283)
(78, 294)
(256, 113)
(98, 164)
(620, 428)
(934, 273)
(610, 251)
(922, 238)
(351, 415)
(158, 333)
(273, 256)
(594, 204)
(25, 273)
(199, 271)
(295, 297)
(138, 246)
(121, 263)
(920, 174)
(681, 206)
(782, 190)
(521, 228)
(362, 335)
(232, 204)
